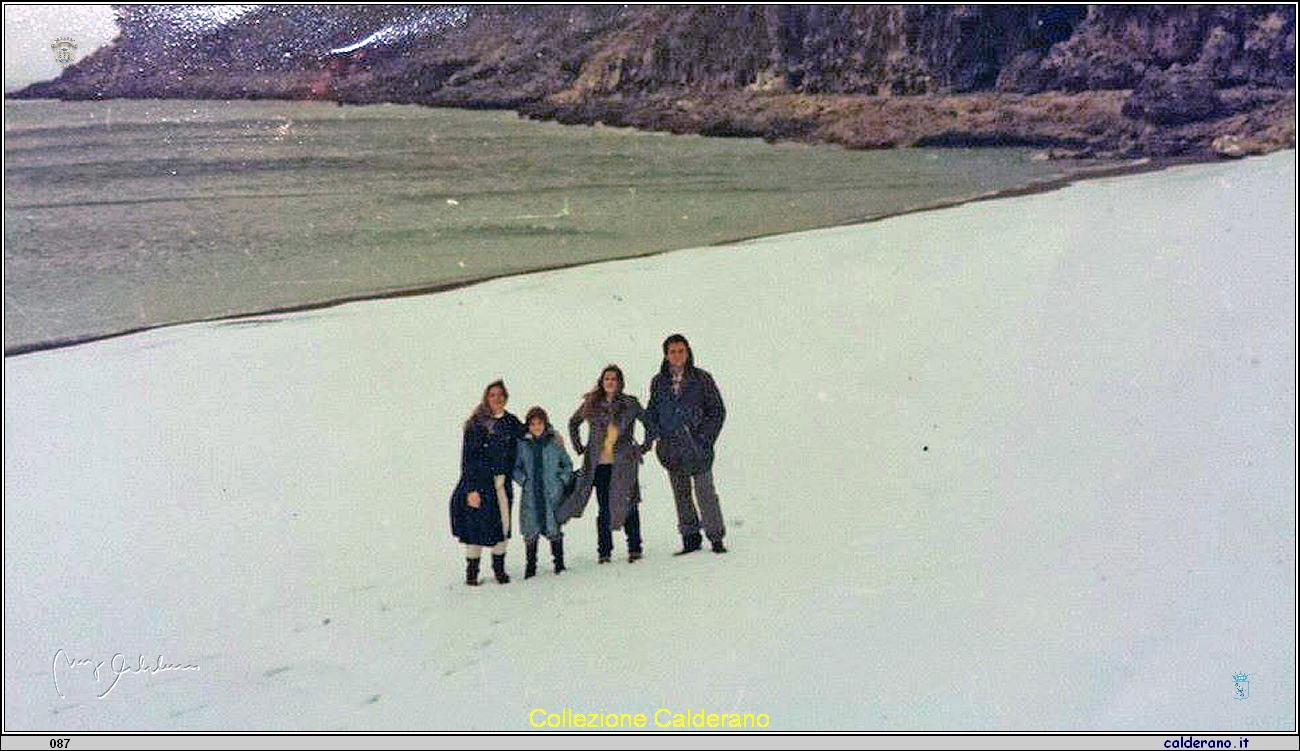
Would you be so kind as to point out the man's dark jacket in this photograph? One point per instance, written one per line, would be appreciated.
(686, 424)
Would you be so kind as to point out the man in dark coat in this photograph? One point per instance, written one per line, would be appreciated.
(686, 414)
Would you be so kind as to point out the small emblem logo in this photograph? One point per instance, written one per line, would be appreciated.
(64, 48)
(1240, 686)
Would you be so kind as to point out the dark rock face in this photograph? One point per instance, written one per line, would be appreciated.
(488, 53)
(632, 64)
(822, 49)
(1174, 98)
(1117, 45)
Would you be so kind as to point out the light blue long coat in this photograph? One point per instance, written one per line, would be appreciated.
(556, 468)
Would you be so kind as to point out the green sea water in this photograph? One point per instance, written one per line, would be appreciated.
(121, 215)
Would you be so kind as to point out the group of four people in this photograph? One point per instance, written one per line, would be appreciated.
(682, 421)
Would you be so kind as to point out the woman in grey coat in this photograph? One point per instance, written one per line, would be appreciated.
(611, 459)
(542, 468)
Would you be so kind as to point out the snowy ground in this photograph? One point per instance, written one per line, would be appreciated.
(1026, 464)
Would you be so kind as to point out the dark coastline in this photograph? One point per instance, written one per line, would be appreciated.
(1095, 81)
(1137, 167)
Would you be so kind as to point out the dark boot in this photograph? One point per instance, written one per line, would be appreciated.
(718, 547)
(690, 543)
(499, 568)
(557, 552)
(632, 526)
(471, 572)
(530, 564)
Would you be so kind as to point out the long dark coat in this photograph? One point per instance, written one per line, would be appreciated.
(488, 450)
(685, 425)
(624, 489)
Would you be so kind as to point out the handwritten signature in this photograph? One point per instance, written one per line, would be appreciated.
(117, 665)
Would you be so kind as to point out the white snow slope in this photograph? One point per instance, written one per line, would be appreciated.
(1025, 464)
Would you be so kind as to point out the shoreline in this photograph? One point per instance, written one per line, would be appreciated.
(1101, 124)
(1139, 166)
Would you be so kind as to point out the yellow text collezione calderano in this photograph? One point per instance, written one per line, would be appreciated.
(661, 718)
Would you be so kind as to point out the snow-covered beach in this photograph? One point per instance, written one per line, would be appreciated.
(1018, 465)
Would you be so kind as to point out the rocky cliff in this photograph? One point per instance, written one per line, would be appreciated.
(1128, 80)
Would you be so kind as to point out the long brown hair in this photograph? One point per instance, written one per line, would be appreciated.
(482, 413)
(593, 399)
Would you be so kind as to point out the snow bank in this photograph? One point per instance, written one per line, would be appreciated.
(1026, 464)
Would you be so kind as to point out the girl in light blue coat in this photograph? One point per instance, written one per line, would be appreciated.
(542, 469)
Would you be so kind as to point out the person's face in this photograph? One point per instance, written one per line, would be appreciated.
(677, 355)
(536, 427)
(496, 399)
(609, 382)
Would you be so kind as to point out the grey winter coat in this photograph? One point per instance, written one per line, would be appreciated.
(624, 489)
(540, 497)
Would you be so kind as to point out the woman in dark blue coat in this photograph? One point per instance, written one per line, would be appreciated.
(480, 506)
